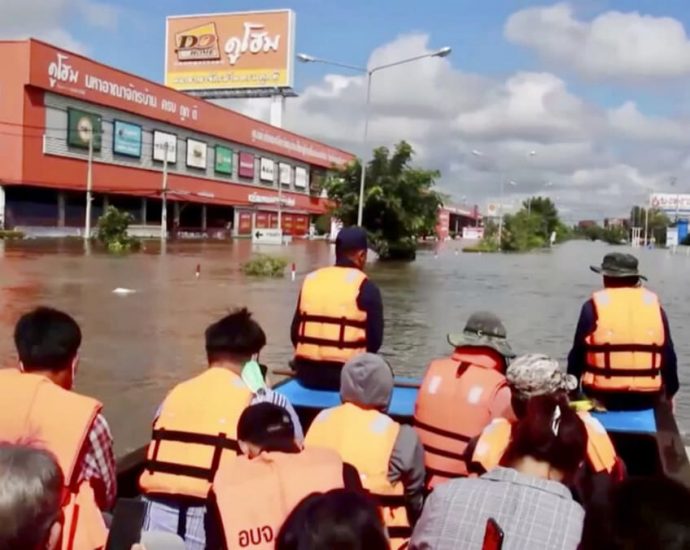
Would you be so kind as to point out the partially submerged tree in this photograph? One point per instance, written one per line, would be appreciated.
(112, 231)
(400, 203)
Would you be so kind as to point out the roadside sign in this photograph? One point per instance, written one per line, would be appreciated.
(267, 236)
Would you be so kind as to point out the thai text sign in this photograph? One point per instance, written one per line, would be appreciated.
(229, 51)
(670, 202)
(223, 159)
(126, 139)
(163, 143)
(246, 167)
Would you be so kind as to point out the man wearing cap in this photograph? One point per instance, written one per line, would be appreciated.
(623, 353)
(461, 394)
(339, 314)
(535, 375)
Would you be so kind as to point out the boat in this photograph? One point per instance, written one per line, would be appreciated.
(648, 440)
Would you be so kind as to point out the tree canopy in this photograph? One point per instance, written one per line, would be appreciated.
(400, 203)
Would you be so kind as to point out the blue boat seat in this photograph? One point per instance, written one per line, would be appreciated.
(628, 421)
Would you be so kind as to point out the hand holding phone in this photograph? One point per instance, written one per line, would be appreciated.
(493, 536)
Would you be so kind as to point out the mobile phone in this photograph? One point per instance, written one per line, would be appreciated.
(128, 519)
(493, 536)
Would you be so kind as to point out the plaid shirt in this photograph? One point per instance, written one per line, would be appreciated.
(534, 513)
(98, 463)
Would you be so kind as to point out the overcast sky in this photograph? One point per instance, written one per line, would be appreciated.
(597, 89)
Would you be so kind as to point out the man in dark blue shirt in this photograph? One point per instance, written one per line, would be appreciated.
(620, 271)
(351, 252)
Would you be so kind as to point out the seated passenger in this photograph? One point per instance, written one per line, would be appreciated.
(527, 496)
(538, 375)
(461, 394)
(38, 405)
(31, 485)
(388, 456)
(196, 427)
(255, 493)
(339, 519)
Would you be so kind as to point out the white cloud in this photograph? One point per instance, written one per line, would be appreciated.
(48, 20)
(598, 161)
(614, 45)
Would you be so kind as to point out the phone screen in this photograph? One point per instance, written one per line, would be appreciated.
(493, 536)
(128, 519)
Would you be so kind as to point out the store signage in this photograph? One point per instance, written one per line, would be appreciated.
(246, 168)
(196, 154)
(163, 141)
(670, 202)
(473, 233)
(285, 172)
(255, 198)
(126, 139)
(82, 127)
(267, 170)
(301, 177)
(223, 164)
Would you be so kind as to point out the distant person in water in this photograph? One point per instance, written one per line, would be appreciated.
(339, 314)
(623, 353)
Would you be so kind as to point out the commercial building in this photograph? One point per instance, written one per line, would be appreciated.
(223, 169)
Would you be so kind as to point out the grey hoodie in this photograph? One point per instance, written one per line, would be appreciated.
(367, 380)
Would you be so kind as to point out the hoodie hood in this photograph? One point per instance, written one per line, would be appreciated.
(367, 380)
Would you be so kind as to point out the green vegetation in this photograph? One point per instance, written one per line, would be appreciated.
(265, 266)
(323, 224)
(112, 231)
(657, 222)
(485, 245)
(400, 204)
(11, 234)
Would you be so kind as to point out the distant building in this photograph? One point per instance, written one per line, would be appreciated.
(617, 222)
(584, 224)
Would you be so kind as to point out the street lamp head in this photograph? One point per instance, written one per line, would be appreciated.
(443, 52)
(477, 153)
(305, 58)
(513, 183)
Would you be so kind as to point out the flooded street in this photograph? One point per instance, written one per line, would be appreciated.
(138, 346)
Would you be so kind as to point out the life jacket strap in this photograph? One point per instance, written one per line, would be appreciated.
(609, 372)
(439, 431)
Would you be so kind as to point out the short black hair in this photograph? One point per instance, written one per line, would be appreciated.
(235, 335)
(47, 339)
(267, 426)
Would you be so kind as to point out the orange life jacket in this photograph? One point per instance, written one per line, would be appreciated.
(331, 325)
(255, 496)
(197, 425)
(37, 411)
(624, 351)
(453, 406)
(365, 438)
(494, 440)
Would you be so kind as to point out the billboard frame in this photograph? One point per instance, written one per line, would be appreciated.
(258, 92)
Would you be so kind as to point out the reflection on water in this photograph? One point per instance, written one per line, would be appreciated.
(138, 346)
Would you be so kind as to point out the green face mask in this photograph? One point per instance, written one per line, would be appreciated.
(251, 375)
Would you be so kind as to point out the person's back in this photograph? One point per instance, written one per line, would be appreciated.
(38, 405)
(526, 497)
(254, 493)
(388, 456)
(31, 487)
(339, 315)
(461, 394)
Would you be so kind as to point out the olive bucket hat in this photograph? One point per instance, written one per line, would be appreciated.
(617, 264)
(483, 329)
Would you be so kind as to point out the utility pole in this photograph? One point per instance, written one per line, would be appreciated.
(164, 195)
(89, 187)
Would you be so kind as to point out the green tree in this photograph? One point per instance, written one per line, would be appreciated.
(400, 203)
(547, 211)
(112, 230)
(657, 222)
(523, 231)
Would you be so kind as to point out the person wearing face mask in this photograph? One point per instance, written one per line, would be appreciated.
(38, 405)
(196, 428)
(339, 315)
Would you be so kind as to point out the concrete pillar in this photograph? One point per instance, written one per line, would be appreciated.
(253, 220)
(106, 203)
(203, 217)
(2, 208)
(235, 222)
(176, 212)
(143, 210)
(61, 204)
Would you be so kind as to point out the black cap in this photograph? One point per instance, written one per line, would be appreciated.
(266, 425)
(351, 239)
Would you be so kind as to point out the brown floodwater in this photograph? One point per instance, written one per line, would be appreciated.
(137, 346)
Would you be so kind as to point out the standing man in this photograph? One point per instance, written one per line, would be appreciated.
(339, 314)
(39, 407)
(623, 352)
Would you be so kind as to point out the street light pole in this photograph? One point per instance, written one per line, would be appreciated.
(89, 187)
(305, 58)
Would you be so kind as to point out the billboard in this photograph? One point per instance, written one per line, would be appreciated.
(670, 202)
(126, 139)
(246, 165)
(230, 51)
(267, 170)
(223, 164)
(161, 140)
(285, 172)
(196, 154)
(81, 126)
